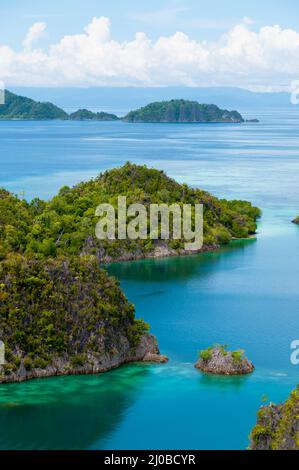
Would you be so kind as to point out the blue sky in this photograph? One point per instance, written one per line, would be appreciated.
(246, 43)
(201, 19)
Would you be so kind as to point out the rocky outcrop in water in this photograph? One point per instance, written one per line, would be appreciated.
(277, 426)
(296, 221)
(218, 360)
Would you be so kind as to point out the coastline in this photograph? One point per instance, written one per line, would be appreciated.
(164, 251)
(147, 351)
(161, 251)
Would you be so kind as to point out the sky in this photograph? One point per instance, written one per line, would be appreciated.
(251, 44)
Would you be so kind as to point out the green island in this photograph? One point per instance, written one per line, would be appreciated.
(65, 225)
(86, 115)
(174, 111)
(277, 426)
(182, 111)
(19, 107)
(66, 316)
(296, 221)
(60, 313)
(219, 360)
(22, 108)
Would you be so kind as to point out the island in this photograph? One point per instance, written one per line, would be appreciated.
(86, 115)
(219, 360)
(277, 426)
(65, 225)
(66, 316)
(296, 221)
(183, 111)
(18, 107)
(21, 108)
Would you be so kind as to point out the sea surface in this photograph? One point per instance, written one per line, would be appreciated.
(246, 295)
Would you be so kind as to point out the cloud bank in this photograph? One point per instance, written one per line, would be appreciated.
(266, 59)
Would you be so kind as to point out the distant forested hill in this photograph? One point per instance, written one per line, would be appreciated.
(20, 107)
(86, 115)
(65, 225)
(182, 111)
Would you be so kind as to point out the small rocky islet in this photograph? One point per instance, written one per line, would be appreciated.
(296, 221)
(219, 360)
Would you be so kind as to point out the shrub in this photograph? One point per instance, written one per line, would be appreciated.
(79, 360)
(205, 354)
(258, 432)
(238, 356)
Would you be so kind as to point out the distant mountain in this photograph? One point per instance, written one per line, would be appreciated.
(86, 115)
(121, 100)
(175, 110)
(19, 107)
(182, 111)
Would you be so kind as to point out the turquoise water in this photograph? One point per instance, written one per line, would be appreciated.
(245, 295)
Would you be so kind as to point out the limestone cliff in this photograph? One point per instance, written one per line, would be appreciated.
(277, 426)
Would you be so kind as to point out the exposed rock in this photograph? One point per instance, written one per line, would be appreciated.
(161, 249)
(154, 357)
(146, 351)
(277, 426)
(218, 360)
(296, 221)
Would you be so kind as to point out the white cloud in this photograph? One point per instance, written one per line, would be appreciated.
(264, 59)
(36, 32)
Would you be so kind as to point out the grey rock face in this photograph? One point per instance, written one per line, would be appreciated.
(222, 362)
(146, 351)
(277, 426)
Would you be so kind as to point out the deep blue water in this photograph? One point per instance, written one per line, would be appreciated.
(245, 295)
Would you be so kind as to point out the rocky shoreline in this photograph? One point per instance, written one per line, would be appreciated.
(146, 351)
(162, 250)
(277, 426)
(219, 361)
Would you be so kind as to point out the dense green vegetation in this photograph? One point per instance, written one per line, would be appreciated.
(19, 107)
(62, 307)
(54, 299)
(182, 111)
(278, 426)
(66, 224)
(16, 217)
(86, 115)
